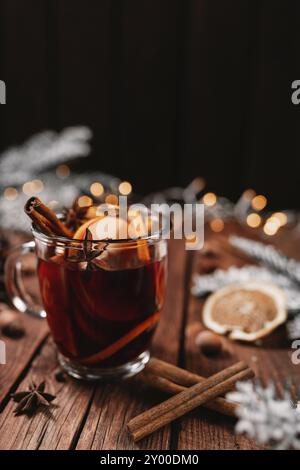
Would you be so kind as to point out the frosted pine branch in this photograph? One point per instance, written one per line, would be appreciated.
(41, 152)
(269, 256)
(265, 418)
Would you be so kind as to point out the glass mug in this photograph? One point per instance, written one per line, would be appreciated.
(102, 313)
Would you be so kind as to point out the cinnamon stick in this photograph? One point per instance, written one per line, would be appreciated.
(41, 223)
(171, 379)
(180, 404)
(45, 219)
(174, 373)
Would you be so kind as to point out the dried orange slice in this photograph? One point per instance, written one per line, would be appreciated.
(103, 227)
(245, 311)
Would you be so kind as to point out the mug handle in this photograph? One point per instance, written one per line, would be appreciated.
(14, 283)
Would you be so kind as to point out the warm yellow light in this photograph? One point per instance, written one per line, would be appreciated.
(253, 220)
(259, 202)
(28, 188)
(63, 171)
(37, 186)
(271, 226)
(217, 225)
(125, 188)
(84, 201)
(273, 221)
(96, 189)
(209, 199)
(112, 199)
(281, 217)
(10, 194)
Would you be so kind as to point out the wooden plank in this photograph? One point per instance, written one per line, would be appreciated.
(56, 427)
(269, 359)
(19, 353)
(115, 405)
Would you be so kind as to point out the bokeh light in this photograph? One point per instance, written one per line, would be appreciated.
(84, 201)
(253, 220)
(125, 188)
(271, 226)
(259, 202)
(28, 188)
(37, 186)
(10, 194)
(216, 225)
(96, 189)
(112, 199)
(281, 217)
(63, 171)
(209, 199)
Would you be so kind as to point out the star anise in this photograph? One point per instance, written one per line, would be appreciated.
(30, 400)
(90, 251)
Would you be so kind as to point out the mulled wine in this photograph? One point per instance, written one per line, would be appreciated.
(98, 316)
(102, 275)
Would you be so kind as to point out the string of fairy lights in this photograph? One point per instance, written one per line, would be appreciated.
(248, 210)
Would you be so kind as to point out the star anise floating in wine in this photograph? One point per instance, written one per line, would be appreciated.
(30, 400)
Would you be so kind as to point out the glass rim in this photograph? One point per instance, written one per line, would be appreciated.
(157, 236)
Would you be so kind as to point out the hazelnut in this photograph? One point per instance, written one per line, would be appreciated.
(209, 343)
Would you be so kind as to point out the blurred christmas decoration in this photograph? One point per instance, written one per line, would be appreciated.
(38, 167)
(41, 152)
(249, 210)
(264, 417)
(293, 327)
(269, 256)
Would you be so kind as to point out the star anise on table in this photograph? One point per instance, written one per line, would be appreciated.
(31, 399)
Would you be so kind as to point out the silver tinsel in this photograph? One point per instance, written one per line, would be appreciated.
(265, 418)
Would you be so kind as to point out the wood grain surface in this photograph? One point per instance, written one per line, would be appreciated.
(94, 416)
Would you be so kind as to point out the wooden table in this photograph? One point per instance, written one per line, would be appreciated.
(93, 416)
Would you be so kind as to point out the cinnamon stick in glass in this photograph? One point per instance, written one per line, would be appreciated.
(180, 404)
(45, 218)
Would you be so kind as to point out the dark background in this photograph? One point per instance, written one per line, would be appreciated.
(171, 89)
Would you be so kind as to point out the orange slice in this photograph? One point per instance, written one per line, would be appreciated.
(98, 228)
(245, 311)
(123, 341)
(80, 232)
